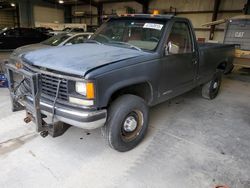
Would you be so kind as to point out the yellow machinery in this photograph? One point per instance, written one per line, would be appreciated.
(237, 32)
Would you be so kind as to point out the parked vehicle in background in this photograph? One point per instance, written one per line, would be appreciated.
(3, 80)
(57, 40)
(45, 30)
(92, 28)
(13, 38)
(131, 63)
(68, 30)
(73, 30)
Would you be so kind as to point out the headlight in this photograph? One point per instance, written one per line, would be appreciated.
(81, 88)
(86, 89)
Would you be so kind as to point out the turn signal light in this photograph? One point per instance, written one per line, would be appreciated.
(90, 90)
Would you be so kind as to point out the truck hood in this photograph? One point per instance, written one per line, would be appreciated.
(80, 58)
(28, 48)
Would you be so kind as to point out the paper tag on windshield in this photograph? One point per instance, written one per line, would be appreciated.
(153, 26)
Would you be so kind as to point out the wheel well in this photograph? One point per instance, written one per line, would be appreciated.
(142, 90)
(222, 66)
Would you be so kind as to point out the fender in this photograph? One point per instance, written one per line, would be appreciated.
(123, 84)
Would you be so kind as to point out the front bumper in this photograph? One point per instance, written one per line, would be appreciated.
(77, 117)
(41, 110)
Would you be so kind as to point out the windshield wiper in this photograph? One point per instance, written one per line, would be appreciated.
(92, 41)
(128, 44)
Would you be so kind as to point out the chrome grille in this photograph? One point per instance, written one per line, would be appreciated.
(49, 87)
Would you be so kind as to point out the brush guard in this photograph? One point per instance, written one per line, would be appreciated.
(19, 101)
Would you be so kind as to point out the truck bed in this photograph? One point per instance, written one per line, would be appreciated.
(214, 54)
(214, 45)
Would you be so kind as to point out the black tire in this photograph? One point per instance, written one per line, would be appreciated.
(121, 134)
(211, 89)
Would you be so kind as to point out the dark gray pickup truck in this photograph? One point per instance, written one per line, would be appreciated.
(131, 63)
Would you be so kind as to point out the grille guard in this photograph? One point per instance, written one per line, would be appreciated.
(33, 110)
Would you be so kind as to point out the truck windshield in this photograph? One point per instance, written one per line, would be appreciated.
(130, 33)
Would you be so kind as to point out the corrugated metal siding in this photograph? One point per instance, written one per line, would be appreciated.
(46, 14)
(238, 33)
(6, 18)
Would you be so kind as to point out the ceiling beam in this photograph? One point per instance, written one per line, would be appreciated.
(214, 18)
(91, 2)
(120, 1)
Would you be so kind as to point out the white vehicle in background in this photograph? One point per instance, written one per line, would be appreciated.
(67, 30)
(61, 39)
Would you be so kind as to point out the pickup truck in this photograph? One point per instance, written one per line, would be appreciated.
(131, 63)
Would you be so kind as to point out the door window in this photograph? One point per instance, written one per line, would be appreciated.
(180, 38)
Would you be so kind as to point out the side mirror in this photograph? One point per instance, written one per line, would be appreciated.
(171, 48)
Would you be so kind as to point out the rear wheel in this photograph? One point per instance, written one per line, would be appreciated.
(211, 89)
(127, 122)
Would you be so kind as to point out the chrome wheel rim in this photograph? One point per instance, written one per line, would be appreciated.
(132, 125)
(215, 85)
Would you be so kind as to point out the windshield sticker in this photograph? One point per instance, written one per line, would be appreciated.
(153, 26)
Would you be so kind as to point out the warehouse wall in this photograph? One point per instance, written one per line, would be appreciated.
(87, 10)
(47, 14)
(109, 8)
(186, 7)
(120, 8)
(32, 10)
(6, 18)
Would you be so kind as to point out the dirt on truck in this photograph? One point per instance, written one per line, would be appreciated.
(131, 63)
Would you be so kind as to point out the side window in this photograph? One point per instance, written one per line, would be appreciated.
(180, 38)
(78, 39)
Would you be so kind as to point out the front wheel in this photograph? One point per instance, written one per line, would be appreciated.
(127, 123)
(211, 89)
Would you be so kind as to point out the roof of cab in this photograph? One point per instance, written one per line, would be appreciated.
(157, 16)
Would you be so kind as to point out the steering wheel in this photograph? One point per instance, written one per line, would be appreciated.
(155, 39)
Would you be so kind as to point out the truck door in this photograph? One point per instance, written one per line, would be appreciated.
(179, 61)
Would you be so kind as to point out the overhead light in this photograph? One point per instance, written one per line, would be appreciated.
(61, 2)
(12, 4)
